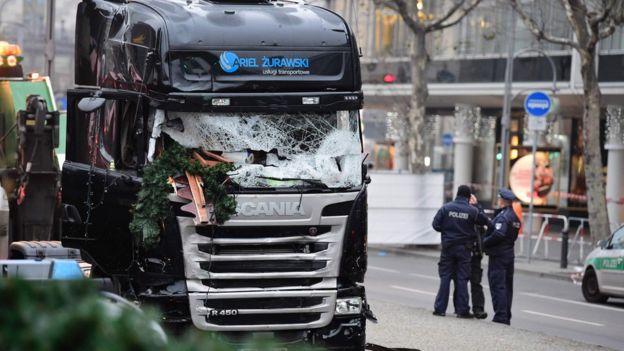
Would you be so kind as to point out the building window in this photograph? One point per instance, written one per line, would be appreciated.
(614, 43)
(611, 68)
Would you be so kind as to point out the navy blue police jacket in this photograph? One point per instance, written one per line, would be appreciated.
(456, 221)
(502, 234)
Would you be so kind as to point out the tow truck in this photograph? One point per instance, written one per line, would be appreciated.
(29, 169)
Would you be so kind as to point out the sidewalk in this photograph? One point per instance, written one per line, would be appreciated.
(403, 327)
(541, 268)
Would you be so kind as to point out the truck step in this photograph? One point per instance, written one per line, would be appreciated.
(42, 249)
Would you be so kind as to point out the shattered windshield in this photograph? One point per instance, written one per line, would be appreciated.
(277, 150)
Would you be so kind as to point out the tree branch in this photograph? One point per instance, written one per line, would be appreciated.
(439, 25)
(539, 33)
(606, 32)
(605, 18)
(607, 7)
(618, 12)
(577, 12)
(386, 3)
(448, 14)
(401, 8)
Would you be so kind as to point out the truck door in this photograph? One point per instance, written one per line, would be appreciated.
(100, 179)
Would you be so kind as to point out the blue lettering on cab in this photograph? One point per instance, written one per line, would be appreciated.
(285, 62)
(249, 62)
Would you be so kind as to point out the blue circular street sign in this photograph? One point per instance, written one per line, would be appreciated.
(537, 104)
(447, 139)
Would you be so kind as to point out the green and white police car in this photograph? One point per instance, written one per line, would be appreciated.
(604, 269)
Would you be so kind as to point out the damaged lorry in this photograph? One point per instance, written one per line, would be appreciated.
(214, 165)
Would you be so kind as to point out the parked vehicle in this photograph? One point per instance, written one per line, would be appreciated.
(604, 269)
(29, 169)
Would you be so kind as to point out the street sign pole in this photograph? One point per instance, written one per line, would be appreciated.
(533, 152)
(537, 104)
(49, 44)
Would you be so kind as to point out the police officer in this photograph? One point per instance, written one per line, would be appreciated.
(456, 221)
(499, 246)
(476, 272)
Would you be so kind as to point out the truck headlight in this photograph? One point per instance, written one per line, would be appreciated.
(351, 305)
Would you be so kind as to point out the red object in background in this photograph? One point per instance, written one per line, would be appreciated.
(389, 78)
(517, 208)
(21, 194)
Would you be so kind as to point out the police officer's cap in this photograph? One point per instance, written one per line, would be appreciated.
(506, 194)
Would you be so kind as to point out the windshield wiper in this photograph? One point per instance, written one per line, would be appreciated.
(315, 182)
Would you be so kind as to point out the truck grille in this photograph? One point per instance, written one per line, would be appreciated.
(265, 302)
(263, 273)
(259, 283)
(260, 319)
(287, 310)
(262, 232)
(262, 249)
(275, 266)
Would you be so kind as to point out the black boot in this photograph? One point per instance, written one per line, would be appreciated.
(480, 314)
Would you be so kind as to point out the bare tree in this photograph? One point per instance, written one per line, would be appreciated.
(420, 25)
(590, 21)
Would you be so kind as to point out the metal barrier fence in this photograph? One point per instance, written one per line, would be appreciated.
(542, 236)
(578, 240)
(574, 251)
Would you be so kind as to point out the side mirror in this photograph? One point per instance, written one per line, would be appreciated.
(365, 175)
(90, 104)
(602, 244)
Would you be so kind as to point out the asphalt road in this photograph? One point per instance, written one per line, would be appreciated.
(544, 305)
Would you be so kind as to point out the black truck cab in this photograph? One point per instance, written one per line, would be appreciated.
(275, 87)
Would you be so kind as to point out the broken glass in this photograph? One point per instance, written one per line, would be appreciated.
(272, 150)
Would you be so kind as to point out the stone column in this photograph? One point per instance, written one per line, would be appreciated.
(615, 164)
(466, 119)
(395, 131)
(431, 134)
(484, 156)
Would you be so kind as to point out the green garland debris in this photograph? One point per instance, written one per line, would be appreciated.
(152, 204)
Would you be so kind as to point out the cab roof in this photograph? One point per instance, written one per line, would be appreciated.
(284, 24)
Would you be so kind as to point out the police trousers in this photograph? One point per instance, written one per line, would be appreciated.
(500, 277)
(454, 263)
(476, 289)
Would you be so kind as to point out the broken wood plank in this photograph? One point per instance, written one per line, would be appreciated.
(195, 184)
(202, 161)
(215, 156)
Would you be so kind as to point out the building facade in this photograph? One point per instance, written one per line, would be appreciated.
(23, 22)
(466, 72)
